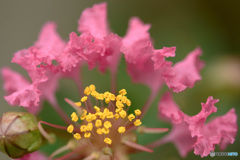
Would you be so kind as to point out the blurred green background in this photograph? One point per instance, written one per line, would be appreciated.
(212, 25)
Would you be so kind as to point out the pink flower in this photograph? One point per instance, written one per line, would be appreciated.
(97, 45)
(35, 155)
(185, 73)
(148, 66)
(198, 135)
(37, 61)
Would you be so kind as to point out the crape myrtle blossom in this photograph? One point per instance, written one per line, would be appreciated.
(37, 61)
(96, 45)
(148, 66)
(101, 125)
(192, 132)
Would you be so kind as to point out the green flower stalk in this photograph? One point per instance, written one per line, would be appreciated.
(19, 134)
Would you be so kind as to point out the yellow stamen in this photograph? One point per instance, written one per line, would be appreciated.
(121, 129)
(137, 112)
(87, 91)
(78, 104)
(108, 140)
(137, 122)
(84, 99)
(98, 123)
(70, 128)
(99, 131)
(87, 135)
(92, 87)
(131, 117)
(77, 136)
(74, 117)
(123, 113)
(123, 92)
(107, 124)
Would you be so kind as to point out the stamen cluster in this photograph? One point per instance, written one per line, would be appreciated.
(101, 120)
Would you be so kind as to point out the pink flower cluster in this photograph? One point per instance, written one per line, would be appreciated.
(101, 48)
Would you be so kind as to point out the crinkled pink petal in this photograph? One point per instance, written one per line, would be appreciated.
(136, 39)
(19, 91)
(33, 156)
(181, 137)
(197, 122)
(94, 21)
(222, 130)
(168, 109)
(73, 52)
(142, 58)
(185, 73)
(13, 81)
(26, 97)
(49, 44)
(201, 137)
(27, 59)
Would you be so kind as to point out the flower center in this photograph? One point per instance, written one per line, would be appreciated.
(105, 122)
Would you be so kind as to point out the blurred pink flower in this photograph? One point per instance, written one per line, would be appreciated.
(37, 61)
(96, 45)
(33, 156)
(148, 66)
(192, 133)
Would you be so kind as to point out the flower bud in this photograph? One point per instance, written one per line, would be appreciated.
(19, 134)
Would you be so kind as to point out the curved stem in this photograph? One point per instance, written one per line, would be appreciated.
(148, 103)
(44, 133)
(60, 111)
(157, 143)
(58, 151)
(71, 153)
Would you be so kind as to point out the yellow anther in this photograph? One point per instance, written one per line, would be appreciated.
(110, 115)
(78, 104)
(83, 128)
(118, 110)
(90, 117)
(70, 128)
(89, 127)
(107, 124)
(83, 117)
(137, 112)
(123, 92)
(100, 96)
(124, 99)
(106, 94)
(108, 141)
(137, 122)
(107, 100)
(121, 129)
(87, 91)
(112, 97)
(123, 113)
(77, 136)
(105, 130)
(131, 117)
(97, 109)
(94, 93)
(98, 123)
(74, 117)
(92, 87)
(99, 114)
(116, 116)
(128, 102)
(119, 97)
(84, 99)
(87, 135)
(99, 131)
(119, 104)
